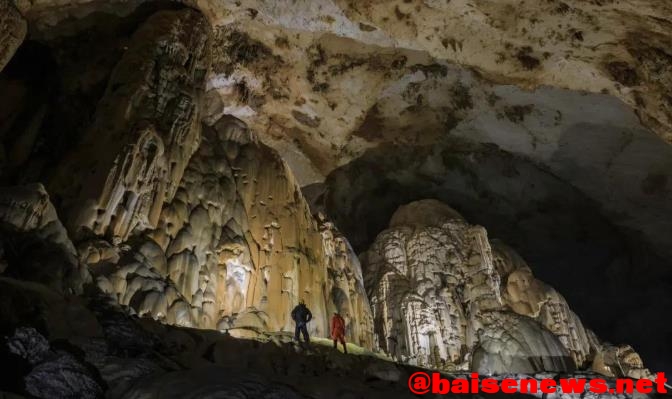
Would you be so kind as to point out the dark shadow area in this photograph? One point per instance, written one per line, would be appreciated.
(52, 87)
(611, 278)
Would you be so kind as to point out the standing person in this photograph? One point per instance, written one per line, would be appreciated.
(338, 331)
(301, 316)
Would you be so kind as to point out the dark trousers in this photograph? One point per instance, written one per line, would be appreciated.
(341, 339)
(303, 329)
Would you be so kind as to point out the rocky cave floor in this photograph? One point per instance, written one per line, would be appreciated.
(113, 355)
(122, 356)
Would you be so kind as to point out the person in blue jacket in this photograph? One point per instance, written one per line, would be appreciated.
(301, 316)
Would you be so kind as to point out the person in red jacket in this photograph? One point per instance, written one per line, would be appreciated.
(338, 331)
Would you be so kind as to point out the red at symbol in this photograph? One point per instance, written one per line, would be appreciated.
(419, 383)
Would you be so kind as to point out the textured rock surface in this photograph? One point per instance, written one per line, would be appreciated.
(570, 44)
(143, 359)
(54, 374)
(206, 230)
(196, 383)
(560, 232)
(35, 245)
(554, 134)
(236, 249)
(444, 297)
(12, 31)
(145, 129)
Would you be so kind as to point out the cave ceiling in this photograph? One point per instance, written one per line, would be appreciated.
(569, 86)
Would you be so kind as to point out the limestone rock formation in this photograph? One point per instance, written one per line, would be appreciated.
(580, 90)
(145, 129)
(555, 227)
(12, 31)
(510, 343)
(527, 296)
(192, 226)
(571, 44)
(236, 249)
(174, 138)
(34, 245)
(444, 296)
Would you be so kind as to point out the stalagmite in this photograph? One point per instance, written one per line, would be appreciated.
(444, 296)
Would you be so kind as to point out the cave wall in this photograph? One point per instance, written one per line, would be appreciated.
(193, 225)
(35, 244)
(145, 129)
(236, 249)
(586, 189)
(54, 83)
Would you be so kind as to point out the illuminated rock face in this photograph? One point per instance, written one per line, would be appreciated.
(145, 129)
(237, 248)
(444, 296)
(191, 225)
(527, 296)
